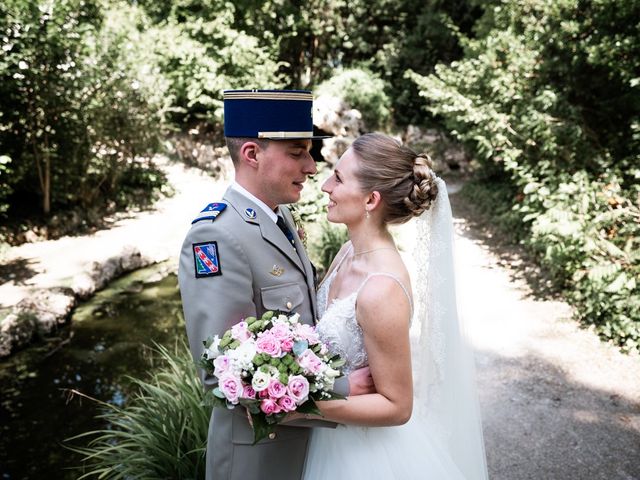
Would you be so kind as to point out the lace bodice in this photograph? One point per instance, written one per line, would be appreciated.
(338, 326)
(339, 329)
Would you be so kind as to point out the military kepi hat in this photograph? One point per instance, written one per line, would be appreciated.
(269, 114)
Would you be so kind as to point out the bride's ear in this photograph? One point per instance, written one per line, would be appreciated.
(374, 200)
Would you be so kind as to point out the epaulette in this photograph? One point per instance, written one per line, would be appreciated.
(210, 212)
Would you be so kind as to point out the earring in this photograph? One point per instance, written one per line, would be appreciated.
(366, 213)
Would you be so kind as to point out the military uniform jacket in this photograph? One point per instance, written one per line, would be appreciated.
(257, 269)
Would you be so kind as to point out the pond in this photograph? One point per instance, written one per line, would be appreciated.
(104, 343)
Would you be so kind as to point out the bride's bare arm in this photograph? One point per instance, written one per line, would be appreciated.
(383, 312)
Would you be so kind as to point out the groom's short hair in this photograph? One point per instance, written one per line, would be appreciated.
(235, 143)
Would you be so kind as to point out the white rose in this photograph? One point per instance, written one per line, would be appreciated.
(260, 381)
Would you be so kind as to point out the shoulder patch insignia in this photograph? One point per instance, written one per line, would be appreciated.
(206, 259)
(210, 212)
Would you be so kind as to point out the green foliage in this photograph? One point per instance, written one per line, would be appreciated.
(79, 108)
(200, 51)
(549, 111)
(315, 38)
(160, 433)
(5, 186)
(362, 90)
(331, 240)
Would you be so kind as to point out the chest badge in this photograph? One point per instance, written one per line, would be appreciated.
(250, 213)
(277, 270)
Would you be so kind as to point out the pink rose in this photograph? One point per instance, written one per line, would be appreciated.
(230, 387)
(306, 332)
(269, 406)
(298, 388)
(281, 331)
(286, 345)
(268, 344)
(221, 365)
(287, 403)
(263, 394)
(241, 332)
(248, 392)
(276, 389)
(310, 362)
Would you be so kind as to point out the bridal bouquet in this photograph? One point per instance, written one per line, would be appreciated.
(271, 365)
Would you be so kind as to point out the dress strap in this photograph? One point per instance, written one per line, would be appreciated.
(346, 254)
(332, 271)
(392, 276)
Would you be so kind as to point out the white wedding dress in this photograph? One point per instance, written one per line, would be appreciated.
(349, 452)
(443, 438)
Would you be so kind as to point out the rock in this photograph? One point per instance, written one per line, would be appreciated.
(334, 147)
(100, 273)
(83, 285)
(30, 236)
(40, 313)
(333, 115)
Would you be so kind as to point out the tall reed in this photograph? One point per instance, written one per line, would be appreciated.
(160, 433)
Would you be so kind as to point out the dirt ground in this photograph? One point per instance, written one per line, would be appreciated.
(557, 403)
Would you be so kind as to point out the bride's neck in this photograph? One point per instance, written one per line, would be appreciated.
(365, 238)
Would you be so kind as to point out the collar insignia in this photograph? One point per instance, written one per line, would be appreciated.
(250, 213)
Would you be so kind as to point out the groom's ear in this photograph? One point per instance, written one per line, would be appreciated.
(249, 153)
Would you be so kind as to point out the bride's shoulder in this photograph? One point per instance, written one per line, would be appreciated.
(384, 294)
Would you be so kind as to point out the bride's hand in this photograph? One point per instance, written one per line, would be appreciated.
(361, 382)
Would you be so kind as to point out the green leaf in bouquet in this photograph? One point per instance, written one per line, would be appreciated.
(337, 363)
(268, 315)
(210, 400)
(299, 346)
(309, 407)
(275, 418)
(252, 405)
(261, 429)
(250, 320)
(205, 364)
(218, 393)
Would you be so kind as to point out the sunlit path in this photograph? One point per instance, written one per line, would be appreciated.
(157, 233)
(557, 403)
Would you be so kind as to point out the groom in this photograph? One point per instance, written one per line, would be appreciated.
(242, 256)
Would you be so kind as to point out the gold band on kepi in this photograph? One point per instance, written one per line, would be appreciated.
(267, 95)
(269, 114)
(285, 134)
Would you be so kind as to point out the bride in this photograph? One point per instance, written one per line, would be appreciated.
(426, 418)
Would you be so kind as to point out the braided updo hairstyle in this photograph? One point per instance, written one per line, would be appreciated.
(405, 179)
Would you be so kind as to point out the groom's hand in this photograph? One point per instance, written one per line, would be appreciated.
(361, 382)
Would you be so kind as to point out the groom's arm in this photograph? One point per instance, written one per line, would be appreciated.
(213, 303)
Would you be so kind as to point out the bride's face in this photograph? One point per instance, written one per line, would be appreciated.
(346, 199)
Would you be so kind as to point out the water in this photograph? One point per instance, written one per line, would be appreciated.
(104, 343)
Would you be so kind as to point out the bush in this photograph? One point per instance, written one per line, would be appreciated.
(198, 49)
(79, 106)
(532, 100)
(362, 90)
(160, 433)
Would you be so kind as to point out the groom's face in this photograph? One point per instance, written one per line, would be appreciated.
(283, 167)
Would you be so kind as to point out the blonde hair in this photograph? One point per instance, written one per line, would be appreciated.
(405, 179)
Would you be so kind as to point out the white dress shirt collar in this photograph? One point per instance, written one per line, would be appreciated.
(243, 191)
